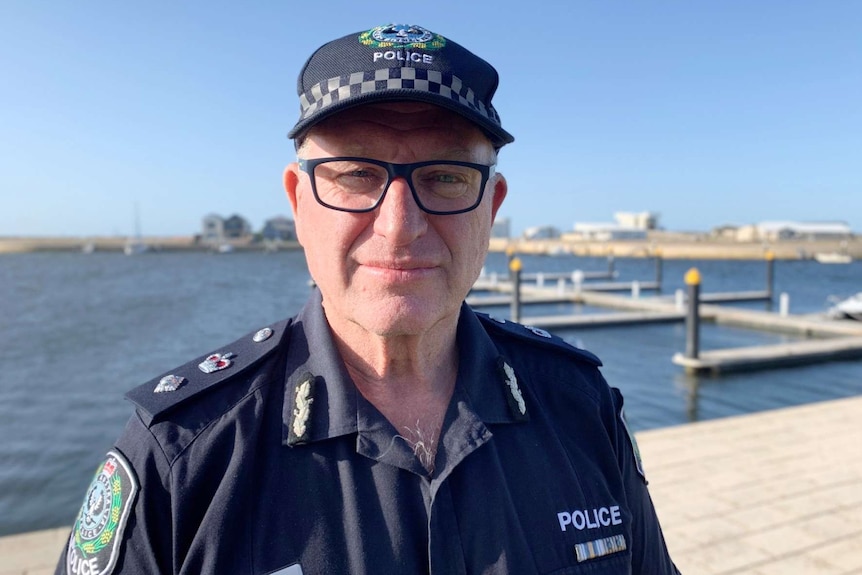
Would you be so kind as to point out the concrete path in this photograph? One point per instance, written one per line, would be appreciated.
(777, 492)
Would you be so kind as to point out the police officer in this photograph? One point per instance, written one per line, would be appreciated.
(387, 428)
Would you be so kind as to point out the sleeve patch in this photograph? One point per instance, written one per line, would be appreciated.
(634, 444)
(96, 538)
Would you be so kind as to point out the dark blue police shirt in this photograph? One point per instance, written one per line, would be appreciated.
(277, 465)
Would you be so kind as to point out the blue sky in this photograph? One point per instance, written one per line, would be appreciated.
(708, 113)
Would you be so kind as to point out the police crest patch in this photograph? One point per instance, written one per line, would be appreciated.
(94, 546)
(402, 36)
(639, 465)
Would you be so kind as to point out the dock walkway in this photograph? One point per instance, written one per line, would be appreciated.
(770, 493)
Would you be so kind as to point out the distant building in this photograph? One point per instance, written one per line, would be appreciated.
(604, 232)
(637, 220)
(501, 228)
(788, 230)
(212, 228)
(236, 227)
(542, 233)
(627, 226)
(726, 231)
(217, 228)
(279, 228)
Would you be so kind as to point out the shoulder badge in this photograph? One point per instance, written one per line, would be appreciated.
(206, 372)
(639, 465)
(536, 335)
(94, 546)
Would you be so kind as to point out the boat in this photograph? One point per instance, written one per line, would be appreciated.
(133, 248)
(849, 308)
(135, 245)
(833, 258)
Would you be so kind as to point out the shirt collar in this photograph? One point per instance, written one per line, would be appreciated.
(322, 402)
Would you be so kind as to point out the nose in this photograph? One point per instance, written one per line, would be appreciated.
(398, 217)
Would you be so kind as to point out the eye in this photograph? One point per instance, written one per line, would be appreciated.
(359, 173)
(448, 178)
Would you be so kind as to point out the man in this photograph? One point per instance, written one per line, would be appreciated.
(387, 428)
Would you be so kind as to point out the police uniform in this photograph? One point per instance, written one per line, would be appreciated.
(273, 463)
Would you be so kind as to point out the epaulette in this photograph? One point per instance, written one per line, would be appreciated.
(206, 373)
(536, 335)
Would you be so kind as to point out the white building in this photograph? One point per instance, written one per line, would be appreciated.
(627, 226)
(637, 220)
(603, 232)
(788, 230)
(542, 233)
(502, 228)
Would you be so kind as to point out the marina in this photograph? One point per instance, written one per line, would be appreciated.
(82, 329)
(841, 340)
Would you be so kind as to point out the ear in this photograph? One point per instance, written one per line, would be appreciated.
(291, 182)
(501, 188)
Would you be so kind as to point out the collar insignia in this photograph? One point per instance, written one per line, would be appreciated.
(216, 362)
(302, 410)
(515, 397)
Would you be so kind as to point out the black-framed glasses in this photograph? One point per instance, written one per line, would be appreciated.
(440, 187)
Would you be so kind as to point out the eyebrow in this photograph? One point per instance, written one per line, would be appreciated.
(358, 150)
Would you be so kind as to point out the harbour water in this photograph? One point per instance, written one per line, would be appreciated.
(77, 331)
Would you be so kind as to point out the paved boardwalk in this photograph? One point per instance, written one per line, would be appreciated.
(778, 492)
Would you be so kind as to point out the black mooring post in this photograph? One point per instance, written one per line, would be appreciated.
(510, 253)
(770, 273)
(692, 320)
(515, 274)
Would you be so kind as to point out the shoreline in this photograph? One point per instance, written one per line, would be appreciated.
(684, 247)
(102, 244)
(665, 245)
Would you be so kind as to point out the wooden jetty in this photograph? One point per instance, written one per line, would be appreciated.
(602, 319)
(541, 277)
(840, 339)
(766, 356)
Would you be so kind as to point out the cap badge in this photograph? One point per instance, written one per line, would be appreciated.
(169, 383)
(262, 335)
(216, 362)
(402, 36)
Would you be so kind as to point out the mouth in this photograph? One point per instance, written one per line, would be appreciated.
(400, 271)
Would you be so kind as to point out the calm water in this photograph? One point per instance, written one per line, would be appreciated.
(77, 331)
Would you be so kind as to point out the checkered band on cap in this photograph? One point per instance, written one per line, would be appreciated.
(334, 90)
(398, 63)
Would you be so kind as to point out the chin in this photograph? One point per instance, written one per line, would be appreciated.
(402, 316)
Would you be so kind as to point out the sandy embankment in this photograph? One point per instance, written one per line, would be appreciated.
(685, 247)
(676, 246)
(117, 244)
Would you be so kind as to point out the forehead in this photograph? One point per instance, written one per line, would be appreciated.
(412, 124)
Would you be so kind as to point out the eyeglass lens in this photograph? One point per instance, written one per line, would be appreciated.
(357, 185)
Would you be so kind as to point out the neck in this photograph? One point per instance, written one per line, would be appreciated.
(409, 379)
